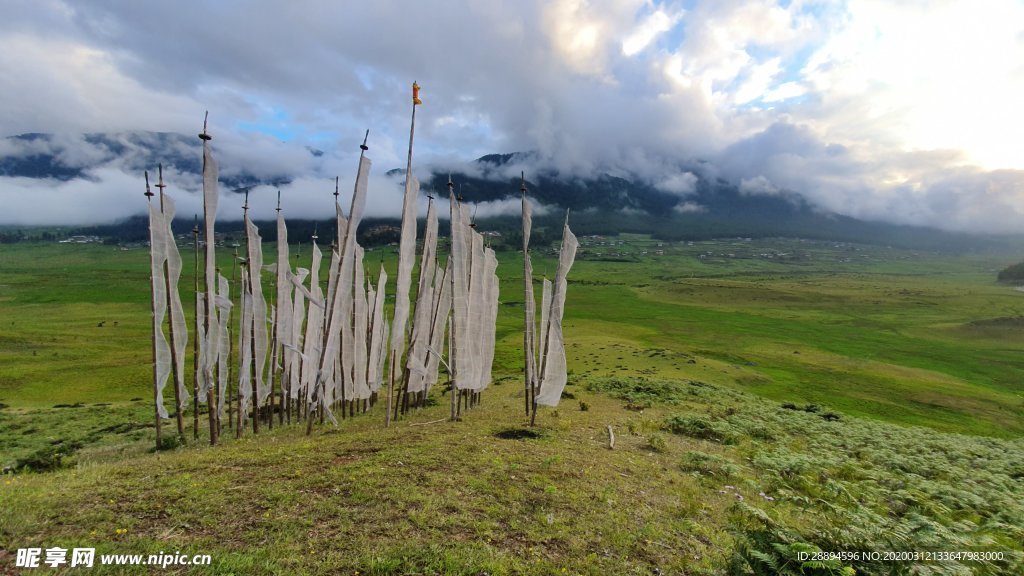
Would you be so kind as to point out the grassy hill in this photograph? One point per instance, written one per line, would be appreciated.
(768, 398)
(706, 480)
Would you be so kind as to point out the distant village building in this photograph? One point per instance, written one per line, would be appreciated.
(80, 239)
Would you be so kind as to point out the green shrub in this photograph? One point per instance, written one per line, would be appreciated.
(169, 442)
(765, 547)
(708, 464)
(703, 428)
(53, 457)
(1012, 273)
(640, 391)
(657, 443)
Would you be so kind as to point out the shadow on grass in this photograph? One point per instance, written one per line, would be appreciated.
(518, 434)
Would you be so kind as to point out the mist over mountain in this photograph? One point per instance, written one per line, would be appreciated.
(692, 200)
(694, 203)
(68, 157)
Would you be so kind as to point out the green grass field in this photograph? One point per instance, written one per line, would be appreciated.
(918, 355)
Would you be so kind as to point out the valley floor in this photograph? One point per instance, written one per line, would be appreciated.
(827, 397)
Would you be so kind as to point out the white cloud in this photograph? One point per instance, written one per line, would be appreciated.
(722, 37)
(504, 207)
(758, 185)
(759, 80)
(926, 77)
(61, 85)
(579, 32)
(784, 91)
(679, 184)
(689, 208)
(108, 195)
(645, 33)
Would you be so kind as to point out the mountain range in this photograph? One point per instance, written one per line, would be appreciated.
(700, 205)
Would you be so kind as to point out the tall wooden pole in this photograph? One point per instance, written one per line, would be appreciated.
(252, 342)
(403, 405)
(527, 308)
(342, 243)
(289, 402)
(396, 352)
(218, 412)
(211, 399)
(304, 404)
(544, 359)
(421, 396)
(452, 352)
(240, 412)
(152, 292)
(274, 331)
(178, 402)
(231, 345)
(278, 349)
(198, 335)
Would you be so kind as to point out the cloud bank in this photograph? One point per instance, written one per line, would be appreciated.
(905, 113)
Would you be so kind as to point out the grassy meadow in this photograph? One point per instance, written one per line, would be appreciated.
(769, 397)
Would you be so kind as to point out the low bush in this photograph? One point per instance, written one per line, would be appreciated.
(703, 428)
(709, 464)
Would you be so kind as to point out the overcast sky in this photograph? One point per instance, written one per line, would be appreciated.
(900, 111)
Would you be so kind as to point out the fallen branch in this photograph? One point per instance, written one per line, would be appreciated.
(431, 422)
